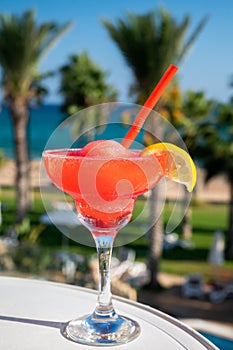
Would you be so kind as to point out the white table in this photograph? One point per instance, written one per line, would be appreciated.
(32, 313)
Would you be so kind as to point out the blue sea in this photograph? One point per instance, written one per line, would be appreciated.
(42, 122)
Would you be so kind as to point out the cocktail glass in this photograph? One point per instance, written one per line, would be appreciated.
(105, 178)
(105, 185)
(104, 190)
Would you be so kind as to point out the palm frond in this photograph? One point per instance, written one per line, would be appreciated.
(190, 41)
(22, 45)
(51, 34)
(149, 43)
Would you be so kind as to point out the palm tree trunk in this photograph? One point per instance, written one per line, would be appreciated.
(186, 228)
(19, 115)
(157, 229)
(156, 236)
(229, 238)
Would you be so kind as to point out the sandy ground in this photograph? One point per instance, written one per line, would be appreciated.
(7, 174)
(216, 190)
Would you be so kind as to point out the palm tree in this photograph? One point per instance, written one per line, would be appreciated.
(216, 152)
(195, 108)
(83, 84)
(23, 44)
(149, 43)
(186, 112)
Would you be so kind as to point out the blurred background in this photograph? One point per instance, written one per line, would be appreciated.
(57, 58)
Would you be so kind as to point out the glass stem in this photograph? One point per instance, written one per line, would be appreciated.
(104, 245)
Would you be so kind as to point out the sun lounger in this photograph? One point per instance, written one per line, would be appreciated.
(221, 294)
(193, 286)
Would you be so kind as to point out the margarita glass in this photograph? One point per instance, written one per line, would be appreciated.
(104, 178)
(104, 189)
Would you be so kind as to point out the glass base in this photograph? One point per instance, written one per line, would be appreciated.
(102, 330)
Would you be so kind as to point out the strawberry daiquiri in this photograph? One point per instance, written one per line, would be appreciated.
(105, 178)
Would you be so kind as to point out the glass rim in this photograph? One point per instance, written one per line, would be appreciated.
(63, 153)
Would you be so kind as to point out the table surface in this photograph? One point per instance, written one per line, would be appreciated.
(33, 312)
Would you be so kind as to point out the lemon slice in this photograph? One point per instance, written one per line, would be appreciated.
(176, 163)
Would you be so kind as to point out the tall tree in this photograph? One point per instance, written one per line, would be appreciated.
(23, 44)
(195, 107)
(83, 84)
(149, 43)
(216, 152)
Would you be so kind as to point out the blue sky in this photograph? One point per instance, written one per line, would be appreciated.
(208, 67)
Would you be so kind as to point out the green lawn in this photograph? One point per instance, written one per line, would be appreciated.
(206, 219)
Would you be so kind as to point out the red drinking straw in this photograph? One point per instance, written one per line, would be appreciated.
(149, 104)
